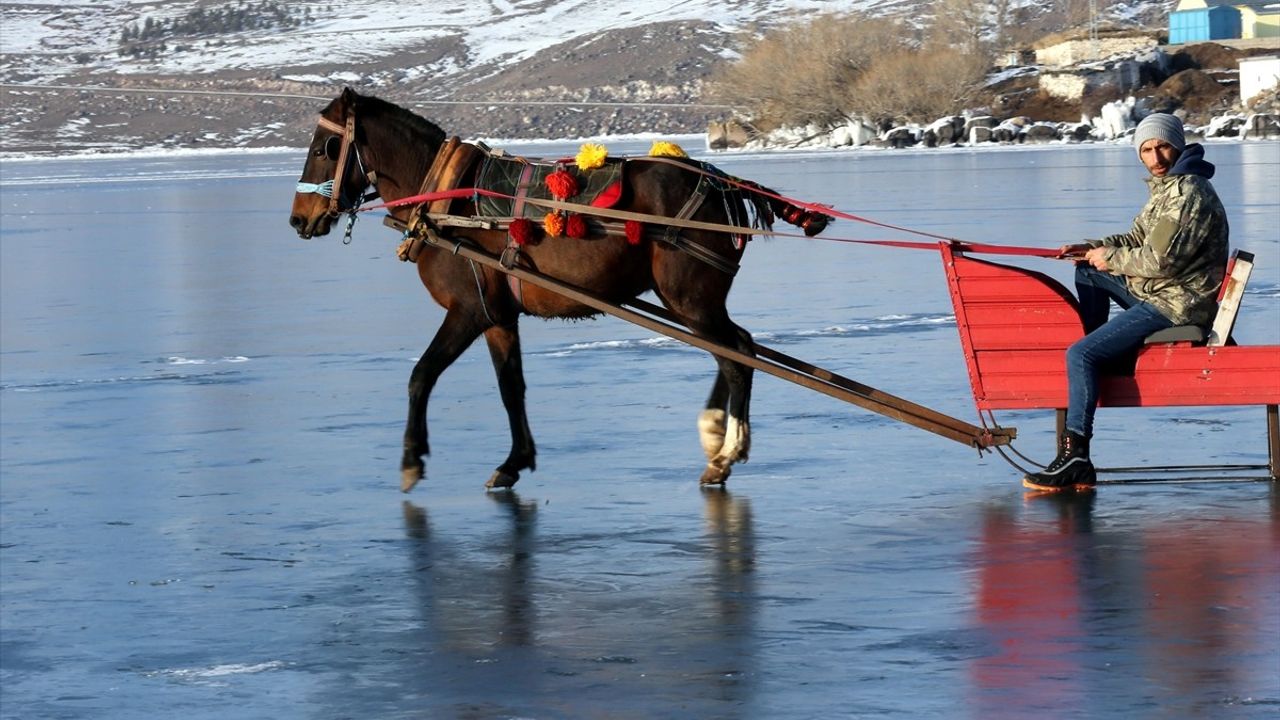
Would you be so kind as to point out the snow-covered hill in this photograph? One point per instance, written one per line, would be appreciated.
(641, 61)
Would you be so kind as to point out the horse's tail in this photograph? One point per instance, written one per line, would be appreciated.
(769, 204)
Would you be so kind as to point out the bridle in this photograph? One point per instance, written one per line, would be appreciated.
(332, 189)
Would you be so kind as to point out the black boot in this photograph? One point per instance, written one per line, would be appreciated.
(1071, 470)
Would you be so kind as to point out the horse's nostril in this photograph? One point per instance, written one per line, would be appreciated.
(295, 221)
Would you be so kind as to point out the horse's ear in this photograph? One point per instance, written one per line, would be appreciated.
(348, 97)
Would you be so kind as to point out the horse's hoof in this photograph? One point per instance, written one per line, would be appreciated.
(501, 480)
(714, 475)
(409, 477)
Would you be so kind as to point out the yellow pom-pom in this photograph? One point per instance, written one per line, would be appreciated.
(662, 148)
(553, 223)
(591, 156)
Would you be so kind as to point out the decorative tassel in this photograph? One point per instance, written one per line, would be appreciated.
(521, 231)
(562, 184)
(662, 148)
(576, 226)
(591, 156)
(635, 232)
(553, 223)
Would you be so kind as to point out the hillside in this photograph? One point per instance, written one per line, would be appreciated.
(191, 73)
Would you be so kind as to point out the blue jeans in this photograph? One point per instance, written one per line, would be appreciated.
(1105, 341)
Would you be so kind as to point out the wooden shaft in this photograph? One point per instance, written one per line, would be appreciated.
(865, 397)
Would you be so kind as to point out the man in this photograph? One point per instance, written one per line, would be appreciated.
(1165, 271)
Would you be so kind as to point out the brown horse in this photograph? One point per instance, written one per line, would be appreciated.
(364, 142)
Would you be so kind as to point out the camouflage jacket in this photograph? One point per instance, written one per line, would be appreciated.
(1175, 256)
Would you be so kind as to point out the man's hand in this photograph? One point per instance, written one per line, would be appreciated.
(1097, 257)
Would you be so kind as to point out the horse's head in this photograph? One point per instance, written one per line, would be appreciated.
(334, 177)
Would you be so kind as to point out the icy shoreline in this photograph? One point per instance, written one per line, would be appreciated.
(694, 144)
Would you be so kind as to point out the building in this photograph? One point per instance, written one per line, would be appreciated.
(1195, 21)
(1257, 75)
(1259, 19)
(1074, 52)
(1119, 77)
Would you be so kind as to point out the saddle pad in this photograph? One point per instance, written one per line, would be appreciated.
(522, 178)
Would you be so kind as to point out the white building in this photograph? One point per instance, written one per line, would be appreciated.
(1258, 74)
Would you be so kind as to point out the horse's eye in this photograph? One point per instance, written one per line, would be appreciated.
(332, 147)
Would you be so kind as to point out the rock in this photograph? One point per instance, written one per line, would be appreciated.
(948, 130)
(728, 134)
(985, 122)
(1077, 132)
(1259, 126)
(1042, 133)
(855, 133)
(1225, 126)
(1006, 132)
(979, 134)
(900, 137)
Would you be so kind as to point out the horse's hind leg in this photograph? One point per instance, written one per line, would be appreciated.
(459, 329)
(726, 434)
(711, 420)
(504, 348)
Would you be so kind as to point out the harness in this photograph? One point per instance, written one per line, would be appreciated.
(332, 189)
(458, 164)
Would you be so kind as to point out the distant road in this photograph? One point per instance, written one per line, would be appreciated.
(416, 101)
(155, 91)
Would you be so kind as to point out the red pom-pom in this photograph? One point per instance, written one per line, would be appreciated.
(562, 184)
(521, 231)
(635, 232)
(576, 226)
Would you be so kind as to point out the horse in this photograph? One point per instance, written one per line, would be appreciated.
(363, 145)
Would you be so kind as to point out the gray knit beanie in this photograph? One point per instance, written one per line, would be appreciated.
(1162, 126)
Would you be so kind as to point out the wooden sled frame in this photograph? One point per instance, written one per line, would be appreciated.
(1016, 324)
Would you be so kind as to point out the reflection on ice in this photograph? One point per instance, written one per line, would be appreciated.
(1179, 615)
(561, 639)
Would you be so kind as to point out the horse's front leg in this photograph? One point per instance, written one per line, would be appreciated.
(504, 348)
(459, 329)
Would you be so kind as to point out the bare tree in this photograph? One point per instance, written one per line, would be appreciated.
(960, 23)
(803, 74)
(1001, 20)
(921, 85)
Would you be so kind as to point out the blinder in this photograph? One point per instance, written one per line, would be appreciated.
(333, 147)
(337, 148)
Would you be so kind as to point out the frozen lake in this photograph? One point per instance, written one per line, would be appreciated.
(200, 428)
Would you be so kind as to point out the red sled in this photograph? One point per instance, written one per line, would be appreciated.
(1015, 326)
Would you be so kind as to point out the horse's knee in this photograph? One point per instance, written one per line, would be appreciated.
(711, 428)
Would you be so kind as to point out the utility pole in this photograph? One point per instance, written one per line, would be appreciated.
(1093, 29)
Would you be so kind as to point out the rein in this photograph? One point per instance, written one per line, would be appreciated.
(497, 223)
(332, 189)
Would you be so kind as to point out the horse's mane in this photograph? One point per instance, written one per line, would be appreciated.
(415, 127)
